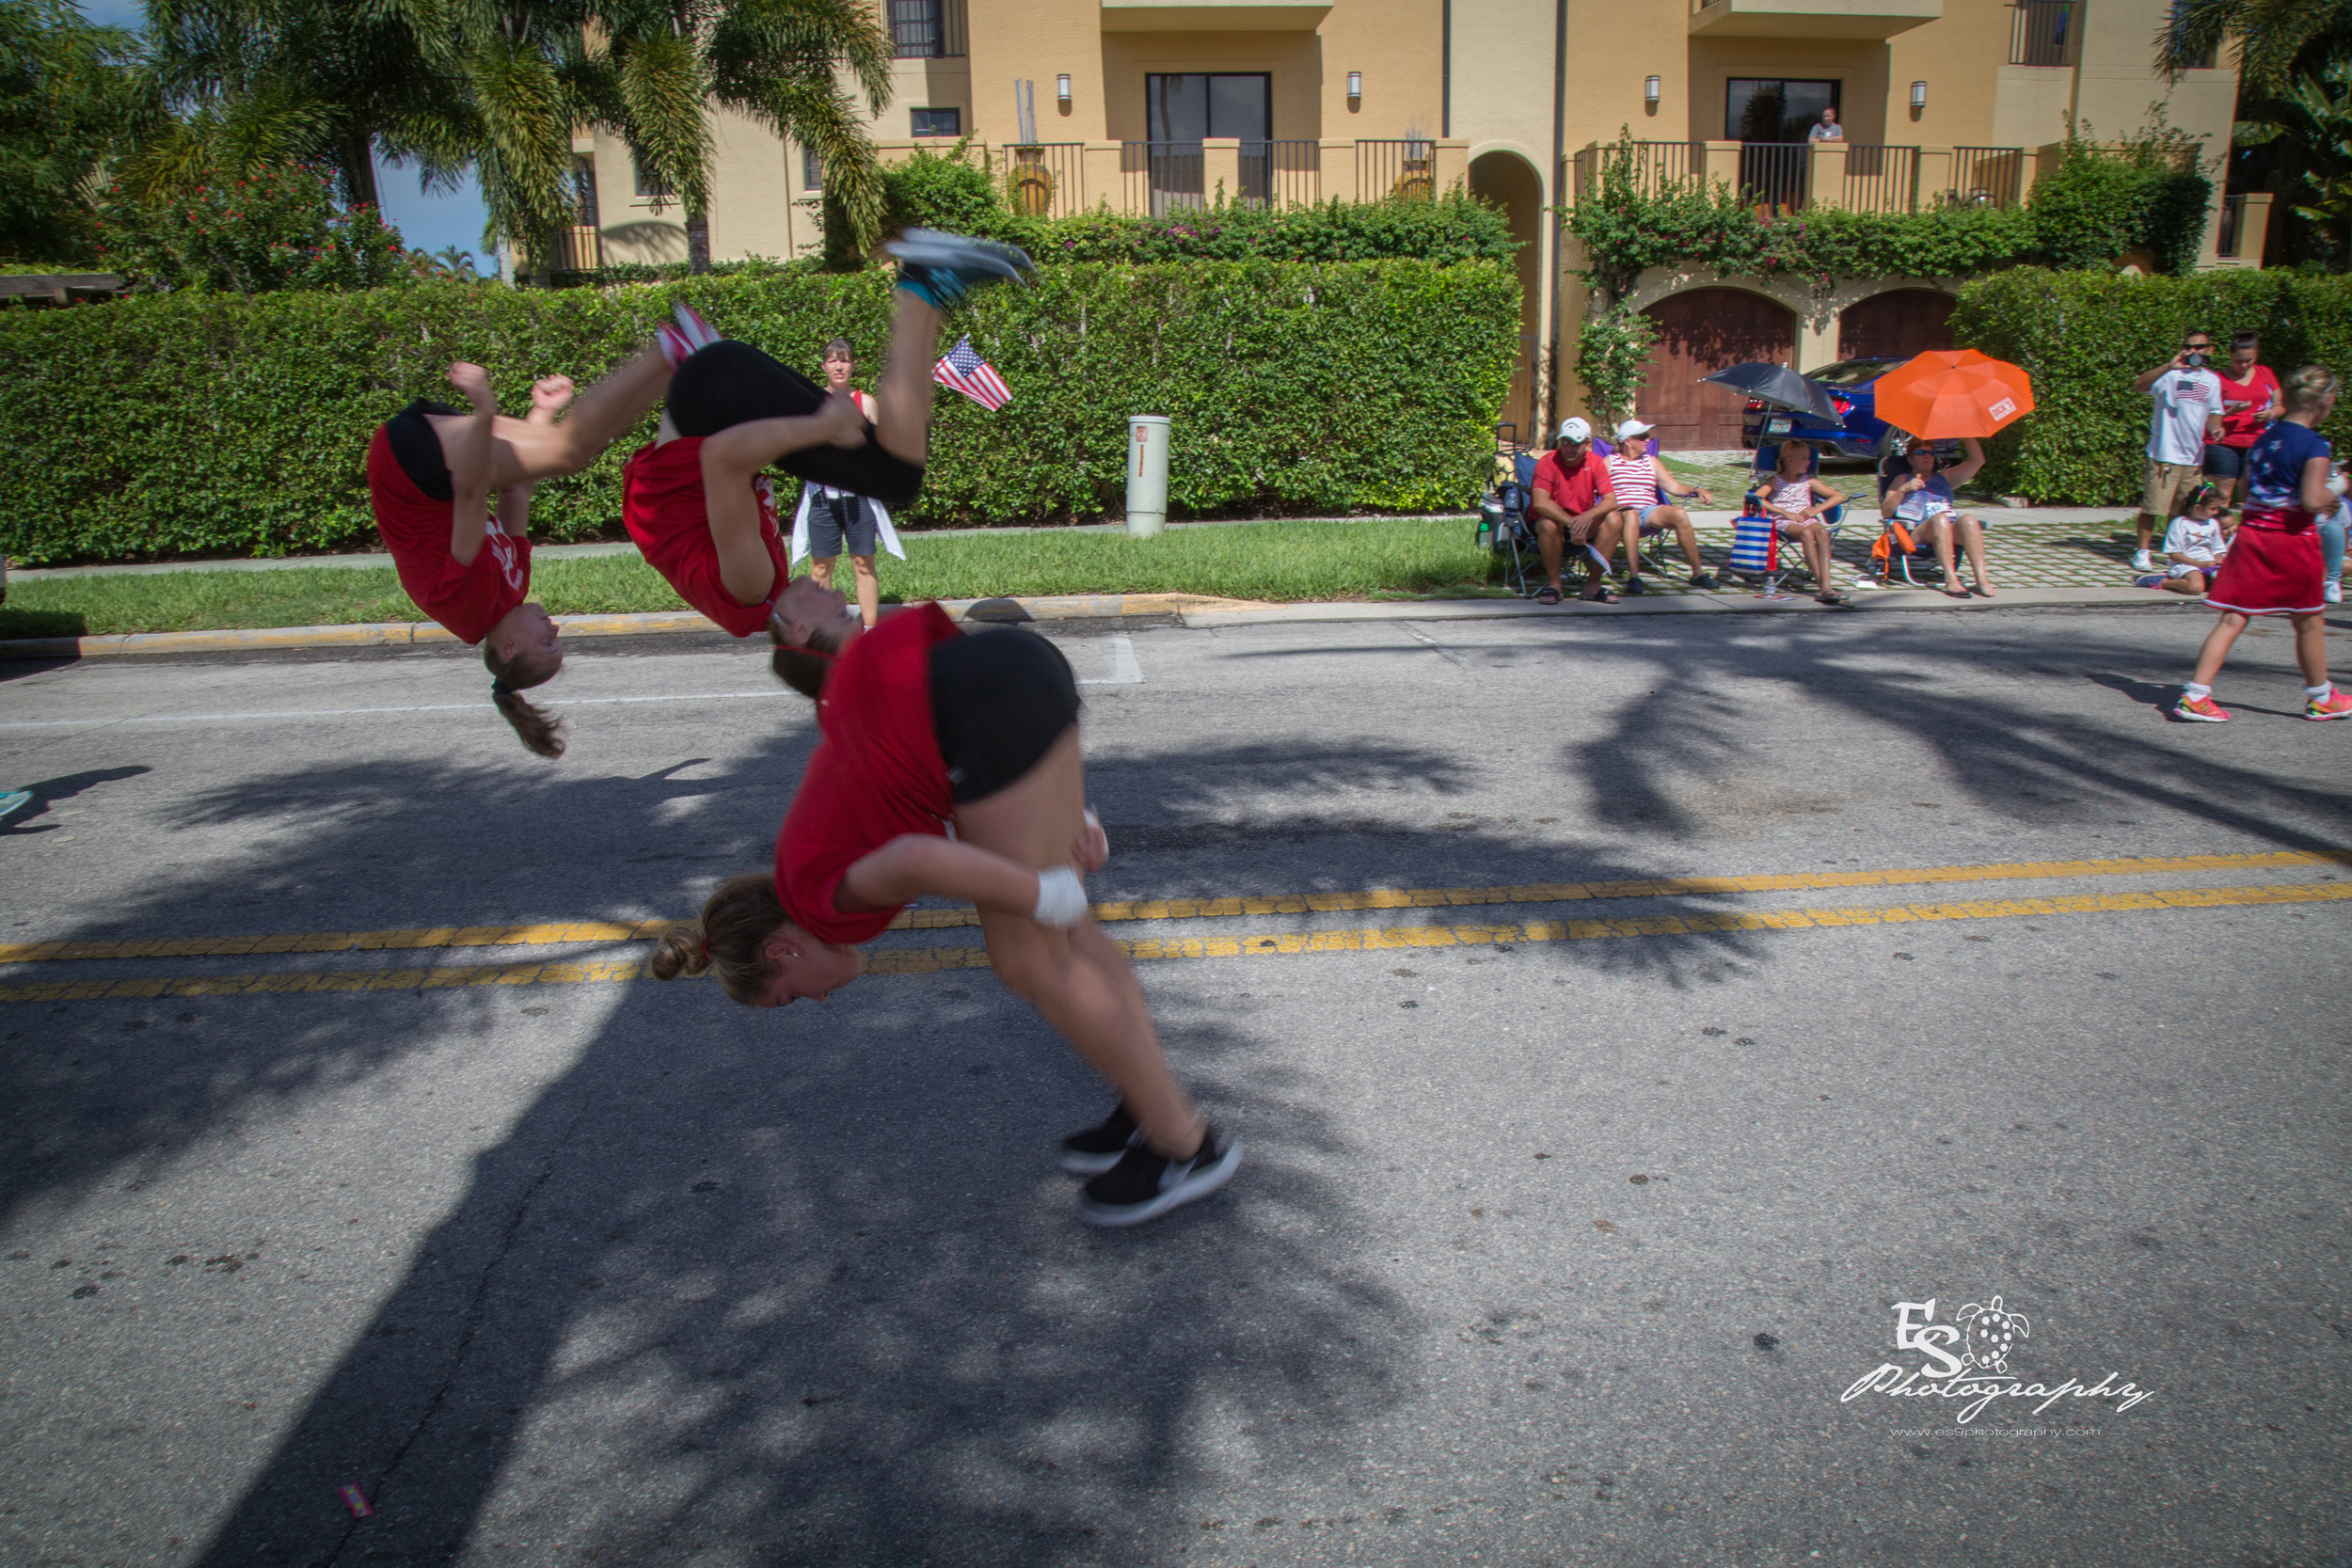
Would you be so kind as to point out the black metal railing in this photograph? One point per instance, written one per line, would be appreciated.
(577, 248)
(1281, 173)
(2044, 32)
(2233, 218)
(1405, 169)
(1881, 179)
(927, 30)
(1046, 180)
(1161, 177)
(1987, 176)
(1776, 174)
(1657, 165)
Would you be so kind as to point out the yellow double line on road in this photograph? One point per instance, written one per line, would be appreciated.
(917, 961)
(565, 933)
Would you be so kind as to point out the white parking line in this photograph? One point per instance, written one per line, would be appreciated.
(1124, 670)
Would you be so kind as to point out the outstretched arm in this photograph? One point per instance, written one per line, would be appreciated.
(732, 459)
(1965, 470)
(914, 865)
(467, 453)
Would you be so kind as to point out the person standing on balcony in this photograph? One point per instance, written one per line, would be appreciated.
(829, 518)
(2249, 400)
(2188, 416)
(1826, 128)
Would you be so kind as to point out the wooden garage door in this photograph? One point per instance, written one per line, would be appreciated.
(1896, 325)
(1698, 332)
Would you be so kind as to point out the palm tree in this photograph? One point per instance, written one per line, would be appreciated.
(2279, 41)
(770, 60)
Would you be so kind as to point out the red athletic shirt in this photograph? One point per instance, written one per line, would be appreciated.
(877, 773)
(665, 511)
(468, 600)
(2242, 425)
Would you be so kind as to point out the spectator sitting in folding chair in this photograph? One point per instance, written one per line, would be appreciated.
(1796, 497)
(1922, 499)
(1571, 503)
(1639, 478)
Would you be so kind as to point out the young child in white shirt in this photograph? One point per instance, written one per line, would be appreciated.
(2194, 546)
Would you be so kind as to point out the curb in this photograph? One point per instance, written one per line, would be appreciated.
(1194, 610)
(396, 634)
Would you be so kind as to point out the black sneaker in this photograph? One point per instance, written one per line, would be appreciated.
(943, 268)
(1098, 1149)
(1635, 585)
(1702, 580)
(1144, 1184)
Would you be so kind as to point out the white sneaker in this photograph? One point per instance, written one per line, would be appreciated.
(2333, 592)
(2143, 561)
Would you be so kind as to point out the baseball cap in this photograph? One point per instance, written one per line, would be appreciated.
(1628, 429)
(1575, 430)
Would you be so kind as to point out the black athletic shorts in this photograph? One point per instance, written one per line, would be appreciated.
(417, 450)
(730, 384)
(999, 701)
(2224, 461)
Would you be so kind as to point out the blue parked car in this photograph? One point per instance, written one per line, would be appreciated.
(1858, 432)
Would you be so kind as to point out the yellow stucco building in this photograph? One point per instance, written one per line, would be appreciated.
(1155, 104)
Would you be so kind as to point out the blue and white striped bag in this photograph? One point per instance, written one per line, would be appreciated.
(1755, 545)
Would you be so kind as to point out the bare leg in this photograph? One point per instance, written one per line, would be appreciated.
(1679, 520)
(868, 590)
(2217, 644)
(1077, 978)
(1548, 542)
(526, 452)
(820, 569)
(903, 415)
(1972, 538)
(2310, 648)
(1942, 531)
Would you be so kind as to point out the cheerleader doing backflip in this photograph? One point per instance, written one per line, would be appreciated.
(923, 727)
(452, 498)
(697, 500)
(2274, 565)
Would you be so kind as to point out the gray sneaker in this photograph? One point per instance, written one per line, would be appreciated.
(943, 268)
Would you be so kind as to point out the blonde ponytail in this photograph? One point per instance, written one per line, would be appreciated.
(540, 730)
(2308, 388)
(730, 940)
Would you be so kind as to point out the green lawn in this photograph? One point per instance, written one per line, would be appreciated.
(1371, 559)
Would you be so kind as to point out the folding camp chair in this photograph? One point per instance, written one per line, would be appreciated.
(1897, 550)
(1505, 525)
(1767, 462)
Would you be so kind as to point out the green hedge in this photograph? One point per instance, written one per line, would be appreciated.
(220, 426)
(2084, 337)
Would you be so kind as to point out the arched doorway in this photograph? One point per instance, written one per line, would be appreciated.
(1894, 326)
(1698, 332)
(1511, 183)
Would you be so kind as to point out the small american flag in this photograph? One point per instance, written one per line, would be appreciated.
(962, 370)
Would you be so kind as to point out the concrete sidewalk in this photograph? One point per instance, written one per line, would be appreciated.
(1192, 610)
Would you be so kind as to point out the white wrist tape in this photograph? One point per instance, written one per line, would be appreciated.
(1061, 897)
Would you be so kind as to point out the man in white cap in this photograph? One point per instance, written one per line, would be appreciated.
(1639, 478)
(1572, 502)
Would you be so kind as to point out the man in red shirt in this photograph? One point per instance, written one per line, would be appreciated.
(1573, 501)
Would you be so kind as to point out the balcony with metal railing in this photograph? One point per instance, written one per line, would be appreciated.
(1043, 180)
(1779, 177)
(927, 30)
(2045, 32)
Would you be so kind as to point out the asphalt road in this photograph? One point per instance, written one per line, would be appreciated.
(1558, 1241)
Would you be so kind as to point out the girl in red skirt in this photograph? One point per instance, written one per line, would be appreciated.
(452, 498)
(950, 767)
(2274, 565)
(698, 500)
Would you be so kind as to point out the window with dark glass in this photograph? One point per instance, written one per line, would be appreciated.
(812, 170)
(649, 183)
(926, 29)
(938, 122)
(1193, 107)
(1763, 108)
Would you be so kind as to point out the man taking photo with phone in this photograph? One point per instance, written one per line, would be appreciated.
(2187, 415)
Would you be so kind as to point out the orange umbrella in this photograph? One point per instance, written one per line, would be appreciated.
(1950, 392)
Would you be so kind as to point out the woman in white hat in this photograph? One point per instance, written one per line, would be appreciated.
(1641, 482)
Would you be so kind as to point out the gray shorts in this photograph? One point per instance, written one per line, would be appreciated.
(837, 519)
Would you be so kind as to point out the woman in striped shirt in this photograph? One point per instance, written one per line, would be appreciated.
(1637, 477)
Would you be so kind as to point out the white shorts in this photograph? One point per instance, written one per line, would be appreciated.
(2178, 570)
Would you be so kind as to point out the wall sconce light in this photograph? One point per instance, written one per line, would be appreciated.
(1061, 88)
(1919, 95)
(1355, 84)
(1651, 88)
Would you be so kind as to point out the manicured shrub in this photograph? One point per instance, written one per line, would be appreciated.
(208, 424)
(2084, 336)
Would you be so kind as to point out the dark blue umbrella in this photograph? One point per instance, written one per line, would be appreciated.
(1777, 385)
